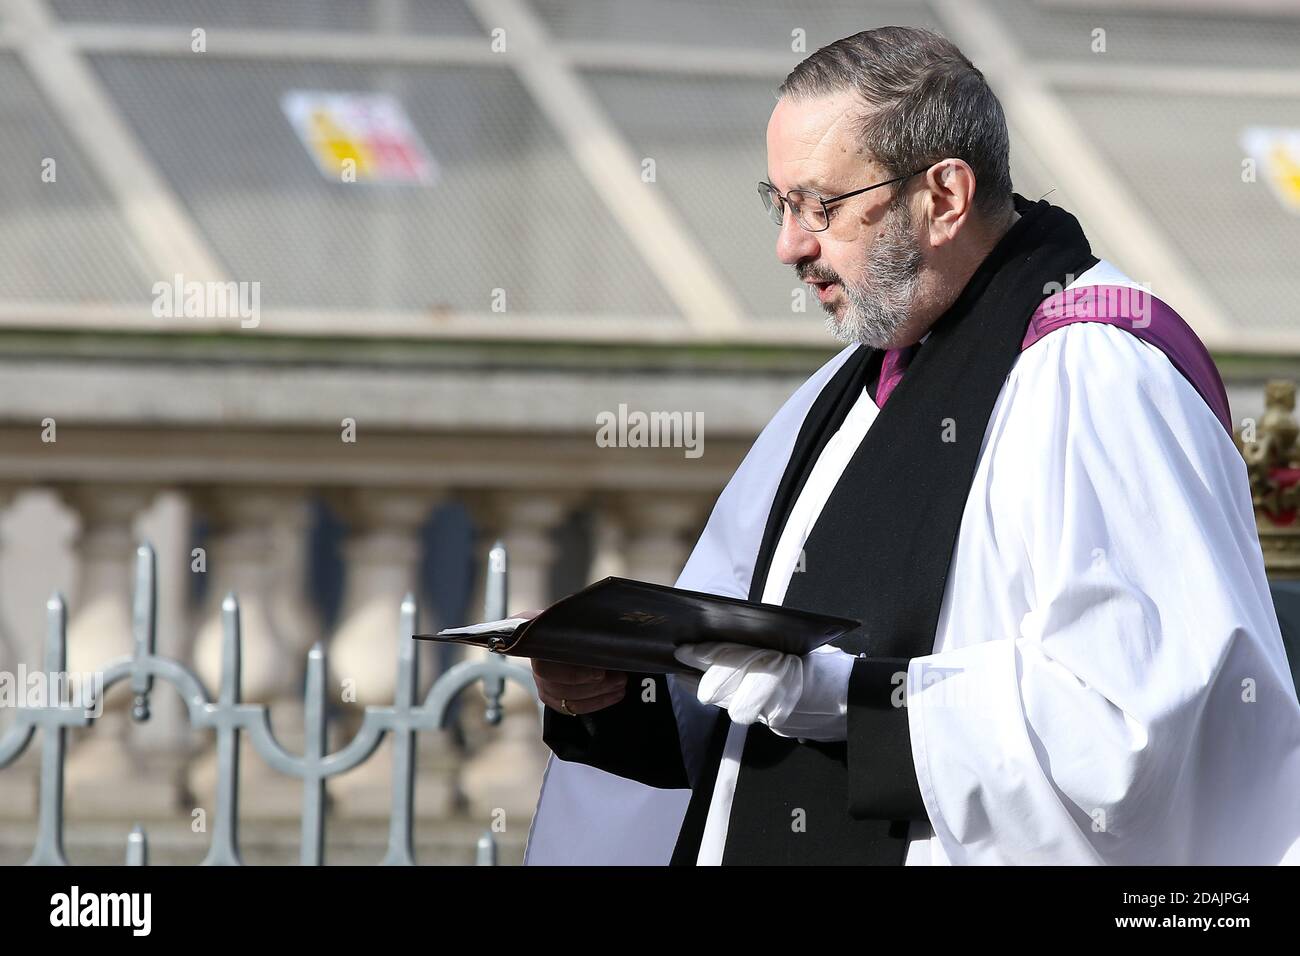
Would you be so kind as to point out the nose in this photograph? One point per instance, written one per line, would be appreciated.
(794, 243)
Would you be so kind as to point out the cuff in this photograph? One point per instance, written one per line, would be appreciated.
(635, 738)
(822, 711)
(882, 775)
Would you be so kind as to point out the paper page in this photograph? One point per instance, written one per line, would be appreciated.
(506, 627)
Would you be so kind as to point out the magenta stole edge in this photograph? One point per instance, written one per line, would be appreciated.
(1140, 313)
(1133, 309)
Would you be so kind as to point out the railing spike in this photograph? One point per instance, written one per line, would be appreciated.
(229, 718)
(496, 588)
(48, 850)
(230, 650)
(137, 847)
(486, 850)
(313, 777)
(144, 627)
(56, 633)
(401, 816)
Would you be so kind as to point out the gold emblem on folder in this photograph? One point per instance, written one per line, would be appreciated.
(644, 618)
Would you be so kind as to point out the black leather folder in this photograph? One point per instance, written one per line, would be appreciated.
(625, 625)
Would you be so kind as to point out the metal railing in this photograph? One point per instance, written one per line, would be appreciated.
(229, 717)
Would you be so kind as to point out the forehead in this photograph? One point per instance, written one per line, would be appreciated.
(813, 143)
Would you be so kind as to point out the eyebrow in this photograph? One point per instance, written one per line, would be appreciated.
(812, 185)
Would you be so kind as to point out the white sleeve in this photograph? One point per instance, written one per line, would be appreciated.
(1142, 711)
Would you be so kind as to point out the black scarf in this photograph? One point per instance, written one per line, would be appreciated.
(880, 550)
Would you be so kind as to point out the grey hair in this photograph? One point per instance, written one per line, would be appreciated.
(924, 102)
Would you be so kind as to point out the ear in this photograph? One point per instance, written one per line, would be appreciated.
(949, 195)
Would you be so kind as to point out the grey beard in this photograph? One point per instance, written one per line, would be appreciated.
(879, 309)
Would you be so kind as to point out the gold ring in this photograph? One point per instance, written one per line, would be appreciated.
(564, 706)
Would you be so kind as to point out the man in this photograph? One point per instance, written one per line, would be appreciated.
(1020, 477)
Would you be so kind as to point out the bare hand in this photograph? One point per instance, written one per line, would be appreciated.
(572, 689)
(580, 689)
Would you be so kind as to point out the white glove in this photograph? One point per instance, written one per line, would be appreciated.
(794, 696)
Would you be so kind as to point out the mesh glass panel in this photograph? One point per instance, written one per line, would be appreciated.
(1047, 32)
(751, 24)
(63, 240)
(1185, 168)
(449, 17)
(509, 211)
(707, 139)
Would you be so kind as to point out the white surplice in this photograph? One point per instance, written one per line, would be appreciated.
(1107, 684)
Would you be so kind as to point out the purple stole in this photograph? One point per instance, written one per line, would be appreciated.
(1139, 312)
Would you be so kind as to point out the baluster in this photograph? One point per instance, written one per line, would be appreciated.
(505, 773)
(103, 767)
(382, 556)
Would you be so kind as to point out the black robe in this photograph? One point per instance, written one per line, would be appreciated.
(879, 553)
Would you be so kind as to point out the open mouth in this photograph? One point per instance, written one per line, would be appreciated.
(825, 290)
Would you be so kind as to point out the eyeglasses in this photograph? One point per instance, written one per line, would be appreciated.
(810, 210)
